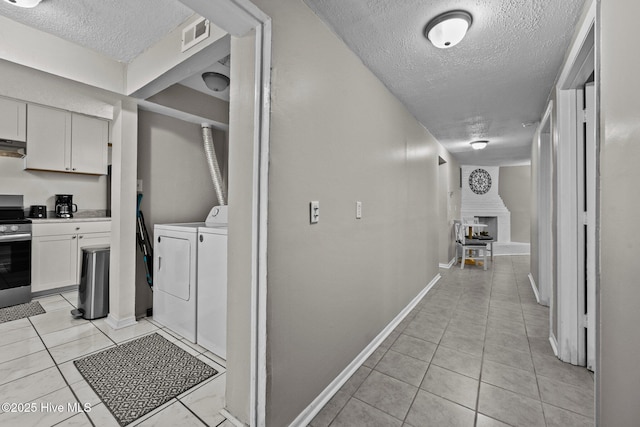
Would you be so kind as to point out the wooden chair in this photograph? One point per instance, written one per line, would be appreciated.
(474, 249)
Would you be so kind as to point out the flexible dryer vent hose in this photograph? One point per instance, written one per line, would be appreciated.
(212, 161)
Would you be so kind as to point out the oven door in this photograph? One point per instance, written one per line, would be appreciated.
(15, 261)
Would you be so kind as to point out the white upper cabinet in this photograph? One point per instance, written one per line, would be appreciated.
(49, 139)
(90, 139)
(13, 119)
(59, 140)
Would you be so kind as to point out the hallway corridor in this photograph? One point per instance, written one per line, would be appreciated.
(473, 352)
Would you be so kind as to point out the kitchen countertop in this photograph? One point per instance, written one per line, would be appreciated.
(74, 219)
(86, 215)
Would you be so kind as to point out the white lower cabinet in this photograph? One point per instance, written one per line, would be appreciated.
(56, 251)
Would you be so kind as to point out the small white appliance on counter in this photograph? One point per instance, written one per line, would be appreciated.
(190, 283)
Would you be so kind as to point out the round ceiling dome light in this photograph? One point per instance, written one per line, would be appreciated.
(448, 29)
(24, 3)
(215, 81)
(479, 145)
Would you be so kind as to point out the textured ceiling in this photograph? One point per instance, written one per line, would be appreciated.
(486, 87)
(118, 29)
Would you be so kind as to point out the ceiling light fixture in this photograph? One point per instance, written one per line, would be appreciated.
(448, 29)
(479, 145)
(215, 81)
(24, 3)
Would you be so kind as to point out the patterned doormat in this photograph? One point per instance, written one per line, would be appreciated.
(20, 311)
(136, 377)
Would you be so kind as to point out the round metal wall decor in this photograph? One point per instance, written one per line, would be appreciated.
(480, 181)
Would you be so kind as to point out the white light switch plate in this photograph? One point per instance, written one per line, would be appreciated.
(314, 211)
(358, 209)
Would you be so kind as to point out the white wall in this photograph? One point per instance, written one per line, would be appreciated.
(449, 193)
(618, 377)
(337, 136)
(515, 190)
(40, 188)
(177, 186)
(19, 82)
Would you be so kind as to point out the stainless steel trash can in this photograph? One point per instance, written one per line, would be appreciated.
(93, 292)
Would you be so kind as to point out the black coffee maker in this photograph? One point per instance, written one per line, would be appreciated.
(65, 206)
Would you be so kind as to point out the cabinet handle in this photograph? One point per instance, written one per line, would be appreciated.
(73, 169)
(159, 263)
(74, 237)
(80, 237)
(66, 169)
(77, 228)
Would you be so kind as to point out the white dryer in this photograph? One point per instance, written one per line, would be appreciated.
(212, 289)
(175, 277)
(190, 279)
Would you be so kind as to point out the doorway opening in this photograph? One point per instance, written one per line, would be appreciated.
(576, 203)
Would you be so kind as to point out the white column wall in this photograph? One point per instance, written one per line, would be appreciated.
(122, 269)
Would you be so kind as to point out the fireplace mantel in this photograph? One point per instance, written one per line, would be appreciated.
(488, 203)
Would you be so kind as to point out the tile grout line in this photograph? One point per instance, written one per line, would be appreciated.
(61, 374)
(526, 330)
(30, 324)
(404, 420)
(484, 343)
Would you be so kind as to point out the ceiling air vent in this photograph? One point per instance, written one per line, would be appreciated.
(195, 33)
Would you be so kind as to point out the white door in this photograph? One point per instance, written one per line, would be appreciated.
(587, 224)
(49, 145)
(53, 261)
(13, 120)
(173, 266)
(90, 140)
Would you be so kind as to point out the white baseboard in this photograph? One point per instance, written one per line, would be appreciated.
(305, 417)
(448, 266)
(233, 420)
(120, 323)
(534, 287)
(554, 343)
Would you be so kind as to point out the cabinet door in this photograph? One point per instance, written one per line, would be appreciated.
(13, 120)
(89, 144)
(86, 240)
(53, 262)
(49, 139)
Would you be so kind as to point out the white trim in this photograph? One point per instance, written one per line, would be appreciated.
(305, 417)
(545, 207)
(239, 17)
(567, 230)
(119, 324)
(566, 169)
(554, 344)
(233, 420)
(181, 115)
(449, 265)
(259, 287)
(577, 47)
(534, 287)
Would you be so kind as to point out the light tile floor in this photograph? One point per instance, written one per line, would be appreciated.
(36, 366)
(474, 352)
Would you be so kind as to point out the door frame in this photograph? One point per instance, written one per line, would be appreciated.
(238, 18)
(578, 67)
(545, 205)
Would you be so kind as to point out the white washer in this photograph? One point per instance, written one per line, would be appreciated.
(175, 277)
(212, 289)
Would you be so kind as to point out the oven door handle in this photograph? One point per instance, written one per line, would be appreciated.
(15, 237)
